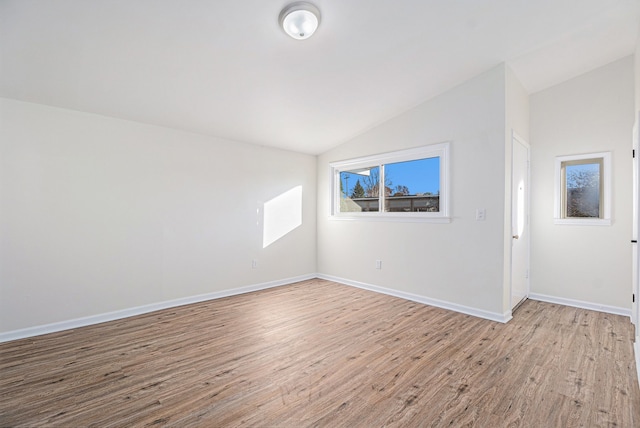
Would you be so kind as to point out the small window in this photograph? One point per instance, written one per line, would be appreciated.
(404, 185)
(583, 193)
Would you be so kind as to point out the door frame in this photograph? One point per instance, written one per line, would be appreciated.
(635, 286)
(517, 139)
(635, 251)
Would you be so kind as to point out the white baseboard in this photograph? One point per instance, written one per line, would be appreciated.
(493, 316)
(139, 310)
(580, 304)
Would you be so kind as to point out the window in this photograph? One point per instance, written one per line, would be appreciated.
(409, 185)
(583, 189)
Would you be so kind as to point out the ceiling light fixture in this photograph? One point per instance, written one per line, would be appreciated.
(300, 20)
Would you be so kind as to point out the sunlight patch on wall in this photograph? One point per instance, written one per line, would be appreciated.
(282, 214)
(520, 217)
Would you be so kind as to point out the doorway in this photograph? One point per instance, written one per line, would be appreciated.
(635, 306)
(520, 236)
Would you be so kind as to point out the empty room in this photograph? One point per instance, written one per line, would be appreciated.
(356, 213)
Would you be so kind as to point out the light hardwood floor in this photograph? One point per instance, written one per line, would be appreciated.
(317, 353)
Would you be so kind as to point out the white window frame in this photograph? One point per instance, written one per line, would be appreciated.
(559, 201)
(440, 150)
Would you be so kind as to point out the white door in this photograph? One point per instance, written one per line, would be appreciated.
(635, 311)
(519, 221)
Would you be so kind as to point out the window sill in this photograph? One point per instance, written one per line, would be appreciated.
(583, 222)
(390, 218)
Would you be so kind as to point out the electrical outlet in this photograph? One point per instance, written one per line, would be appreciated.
(254, 264)
(481, 214)
(378, 264)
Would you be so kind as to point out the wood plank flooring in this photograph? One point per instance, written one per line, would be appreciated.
(321, 354)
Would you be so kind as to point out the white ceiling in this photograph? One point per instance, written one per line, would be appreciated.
(225, 68)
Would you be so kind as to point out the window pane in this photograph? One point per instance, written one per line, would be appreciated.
(412, 186)
(359, 189)
(583, 190)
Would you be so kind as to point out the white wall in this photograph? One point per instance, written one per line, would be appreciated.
(590, 113)
(100, 214)
(517, 108)
(461, 262)
(637, 74)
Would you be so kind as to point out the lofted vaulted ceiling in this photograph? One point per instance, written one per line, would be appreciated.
(225, 68)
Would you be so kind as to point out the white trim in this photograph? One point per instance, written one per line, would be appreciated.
(492, 316)
(516, 136)
(606, 184)
(635, 278)
(583, 221)
(429, 150)
(406, 218)
(581, 304)
(139, 310)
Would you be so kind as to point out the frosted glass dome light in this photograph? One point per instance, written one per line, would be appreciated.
(300, 20)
